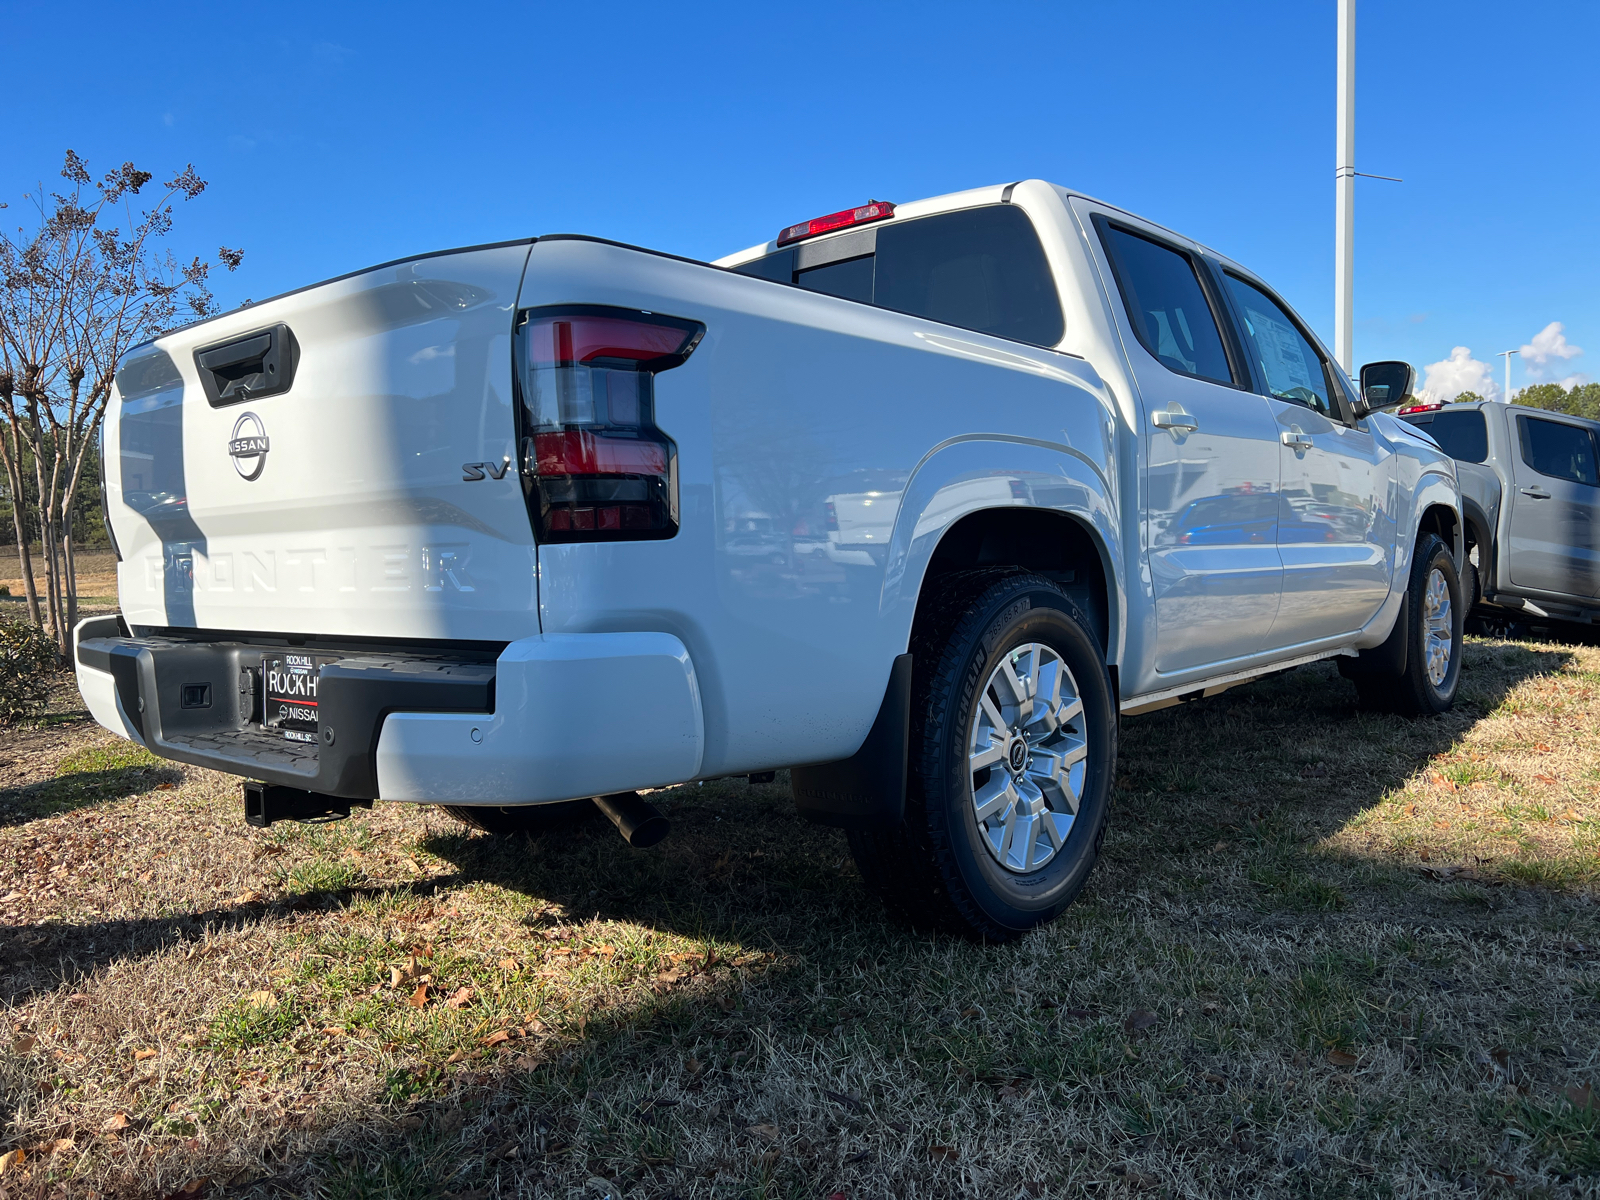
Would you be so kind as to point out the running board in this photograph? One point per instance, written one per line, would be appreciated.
(1152, 701)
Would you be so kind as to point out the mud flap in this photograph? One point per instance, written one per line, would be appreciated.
(868, 789)
(1387, 660)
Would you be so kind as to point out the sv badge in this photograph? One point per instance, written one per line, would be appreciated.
(473, 472)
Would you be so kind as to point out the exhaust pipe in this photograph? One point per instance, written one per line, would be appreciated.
(637, 820)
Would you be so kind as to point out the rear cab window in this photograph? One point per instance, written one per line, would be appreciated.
(1558, 450)
(976, 268)
(1464, 436)
(1166, 304)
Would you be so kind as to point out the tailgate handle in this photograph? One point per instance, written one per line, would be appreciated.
(258, 364)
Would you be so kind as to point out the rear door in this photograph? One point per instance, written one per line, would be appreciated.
(1554, 543)
(1211, 469)
(1334, 531)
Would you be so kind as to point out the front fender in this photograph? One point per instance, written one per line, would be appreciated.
(971, 474)
(1433, 488)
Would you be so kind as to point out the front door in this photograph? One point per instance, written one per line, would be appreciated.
(1211, 472)
(1554, 542)
(1333, 528)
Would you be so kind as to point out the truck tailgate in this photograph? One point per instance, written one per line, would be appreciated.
(376, 495)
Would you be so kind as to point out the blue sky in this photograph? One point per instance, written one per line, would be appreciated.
(339, 135)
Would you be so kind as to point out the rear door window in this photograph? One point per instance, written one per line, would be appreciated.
(1166, 305)
(976, 268)
(1558, 450)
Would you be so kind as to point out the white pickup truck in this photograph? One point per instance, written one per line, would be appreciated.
(914, 500)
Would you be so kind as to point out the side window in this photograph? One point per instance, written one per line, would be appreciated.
(1289, 363)
(1462, 435)
(1558, 450)
(976, 268)
(979, 268)
(1166, 305)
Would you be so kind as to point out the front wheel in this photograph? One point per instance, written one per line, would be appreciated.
(1434, 614)
(1013, 747)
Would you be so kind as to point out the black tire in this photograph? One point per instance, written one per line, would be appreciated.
(509, 819)
(1412, 692)
(936, 869)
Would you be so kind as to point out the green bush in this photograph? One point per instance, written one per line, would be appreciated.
(28, 664)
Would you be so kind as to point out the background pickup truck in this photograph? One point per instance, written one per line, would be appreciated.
(1530, 492)
(914, 500)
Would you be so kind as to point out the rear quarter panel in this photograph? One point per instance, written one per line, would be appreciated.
(793, 398)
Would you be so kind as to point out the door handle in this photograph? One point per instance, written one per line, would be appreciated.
(1296, 438)
(1175, 419)
(1535, 493)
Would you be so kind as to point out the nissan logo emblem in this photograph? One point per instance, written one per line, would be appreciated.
(248, 446)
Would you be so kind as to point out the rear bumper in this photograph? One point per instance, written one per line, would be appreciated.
(554, 718)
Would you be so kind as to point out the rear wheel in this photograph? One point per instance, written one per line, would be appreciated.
(1013, 746)
(509, 819)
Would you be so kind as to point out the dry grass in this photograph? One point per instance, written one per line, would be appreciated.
(97, 580)
(1286, 978)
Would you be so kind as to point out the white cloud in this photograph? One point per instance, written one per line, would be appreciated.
(1571, 381)
(1459, 373)
(1548, 348)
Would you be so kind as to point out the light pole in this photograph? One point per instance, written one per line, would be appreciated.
(1506, 354)
(1344, 217)
(1344, 203)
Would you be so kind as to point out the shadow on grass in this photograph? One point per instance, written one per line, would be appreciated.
(89, 777)
(48, 956)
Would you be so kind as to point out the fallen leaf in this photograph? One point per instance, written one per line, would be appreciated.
(462, 997)
(944, 1153)
(1138, 1021)
(1441, 824)
(1411, 810)
(192, 1190)
(141, 1055)
(419, 998)
(23, 1043)
(1542, 748)
(767, 1133)
(11, 1158)
(262, 999)
(58, 1146)
(1581, 1098)
(1423, 854)
(694, 1066)
(508, 964)
(1543, 778)
(333, 1031)
(1342, 1058)
(116, 1123)
(166, 787)
(456, 1057)
(249, 897)
(498, 1036)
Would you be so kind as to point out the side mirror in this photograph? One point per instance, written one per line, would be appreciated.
(1386, 385)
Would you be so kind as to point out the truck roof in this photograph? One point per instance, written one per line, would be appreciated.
(998, 193)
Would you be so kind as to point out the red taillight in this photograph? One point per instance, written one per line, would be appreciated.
(873, 210)
(833, 516)
(1411, 408)
(596, 466)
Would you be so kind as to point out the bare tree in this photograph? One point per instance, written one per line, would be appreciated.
(89, 279)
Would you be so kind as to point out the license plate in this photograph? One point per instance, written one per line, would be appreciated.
(289, 690)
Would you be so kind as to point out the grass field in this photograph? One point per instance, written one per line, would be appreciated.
(1325, 954)
(97, 580)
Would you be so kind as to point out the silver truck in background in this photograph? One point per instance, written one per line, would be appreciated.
(1530, 491)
